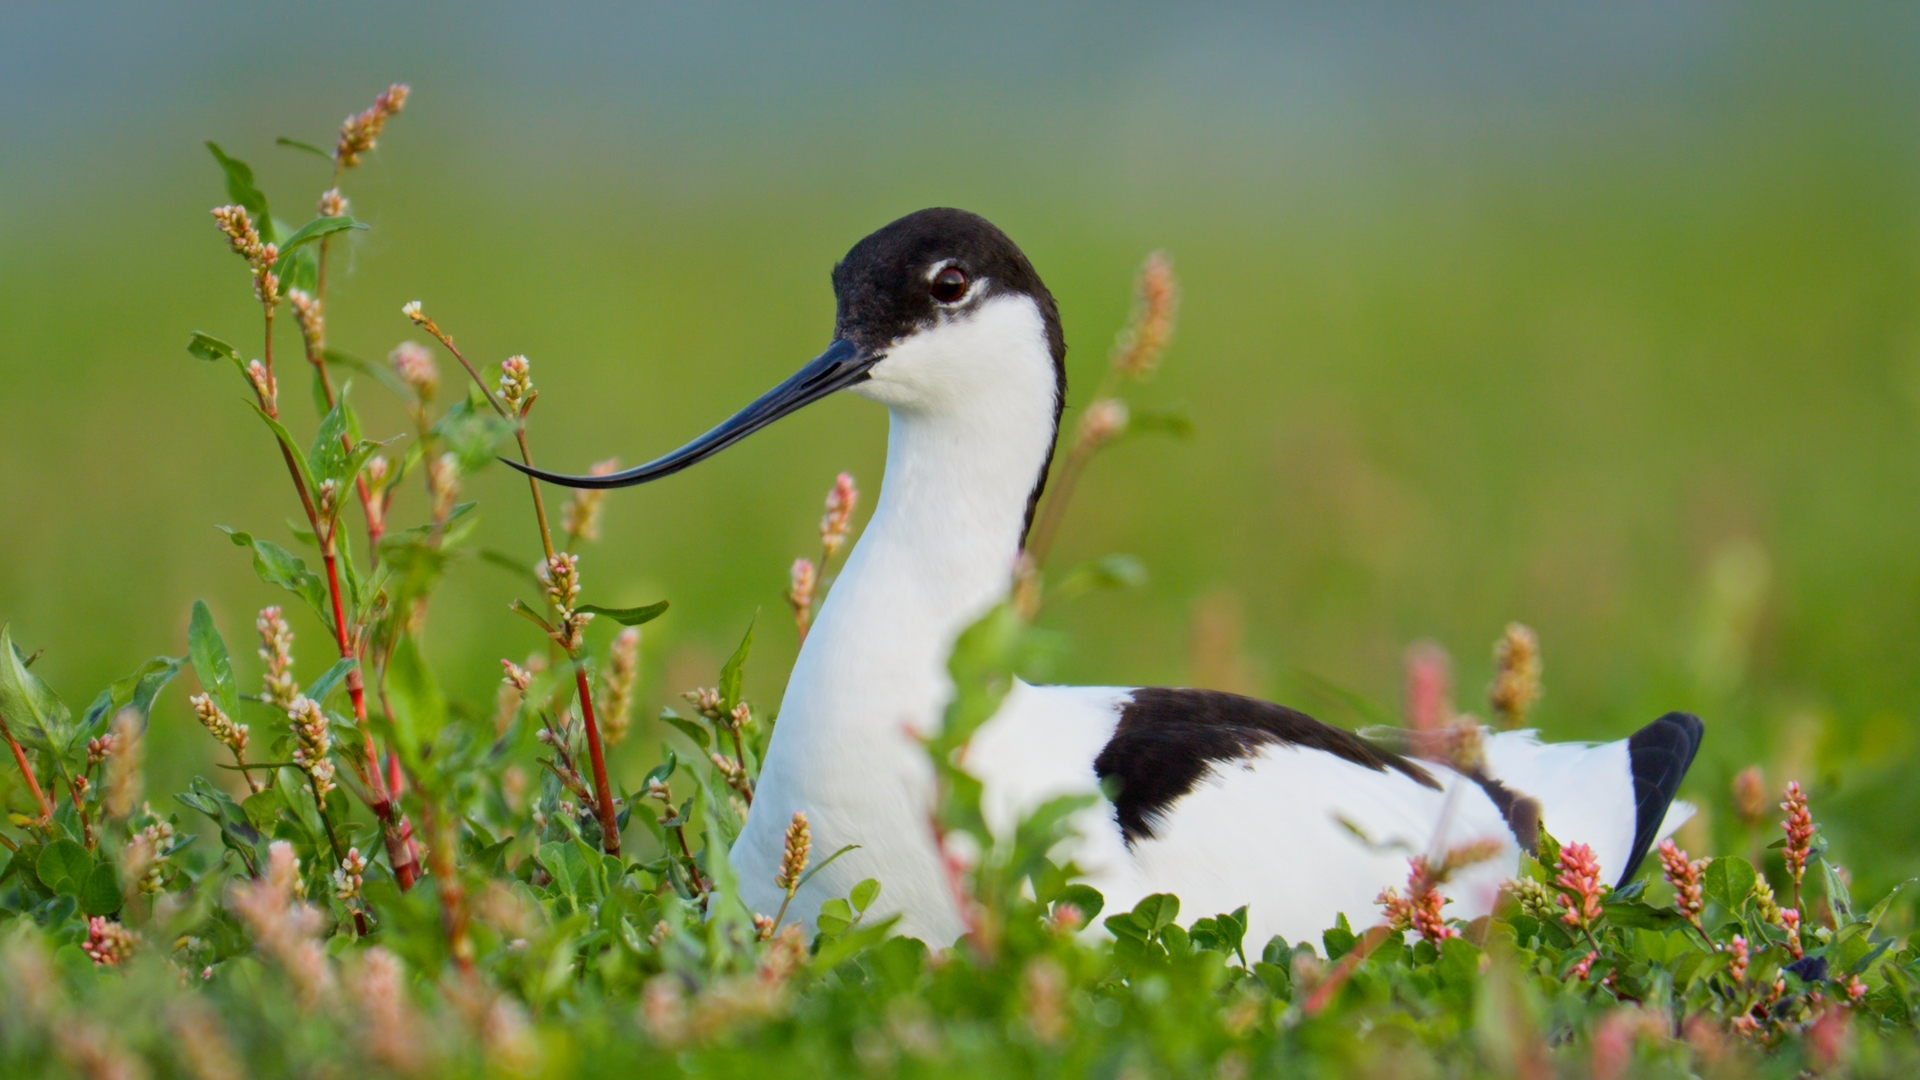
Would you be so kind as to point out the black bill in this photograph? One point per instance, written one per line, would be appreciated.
(841, 366)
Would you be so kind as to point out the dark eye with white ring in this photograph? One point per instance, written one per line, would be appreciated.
(949, 285)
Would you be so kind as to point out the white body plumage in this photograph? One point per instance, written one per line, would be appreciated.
(970, 422)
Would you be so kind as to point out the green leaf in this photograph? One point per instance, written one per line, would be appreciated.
(633, 616)
(308, 147)
(277, 566)
(64, 867)
(241, 190)
(299, 270)
(553, 856)
(1339, 939)
(100, 892)
(835, 918)
(836, 951)
(472, 433)
(697, 732)
(1106, 573)
(314, 230)
(1644, 916)
(380, 373)
(864, 895)
(1886, 902)
(324, 685)
(294, 453)
(207, 347)
(504, 561)
(327, 457)
(1838, 894)
(1729, 881)
(1157, 912)
(236, 831)
(1085, 898)
(135, 691)
(211, 662)
(525, 610)
(730, 674)
(419, 709)
(32, 711)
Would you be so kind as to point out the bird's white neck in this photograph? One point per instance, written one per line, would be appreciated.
(971, 411)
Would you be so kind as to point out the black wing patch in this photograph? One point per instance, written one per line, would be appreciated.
(1521, 812)
(1659, 756)
(1167, 739)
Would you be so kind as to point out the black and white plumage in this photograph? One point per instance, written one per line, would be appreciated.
(1221, 799)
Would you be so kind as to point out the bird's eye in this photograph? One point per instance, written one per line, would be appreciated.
(949, 285)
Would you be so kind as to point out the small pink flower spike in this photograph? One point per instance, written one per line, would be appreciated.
(1579, 875)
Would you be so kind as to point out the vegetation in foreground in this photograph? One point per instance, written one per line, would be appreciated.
(384, 881)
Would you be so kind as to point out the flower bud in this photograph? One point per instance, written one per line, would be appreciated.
(414, 365)
(833, 526)
(516, 384)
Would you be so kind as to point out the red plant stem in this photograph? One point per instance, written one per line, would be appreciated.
(740, 755)
(1323, 994)
(406, 868)
(395, 829)
(602, 791)
(375, 529)
(26, 770)
(692, 869)
(453, 908)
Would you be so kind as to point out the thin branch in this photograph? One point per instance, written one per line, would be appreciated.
(26, 770)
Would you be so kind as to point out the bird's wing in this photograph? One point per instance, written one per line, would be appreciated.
(1617, 797)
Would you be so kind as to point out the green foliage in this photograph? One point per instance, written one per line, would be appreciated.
(633, 616)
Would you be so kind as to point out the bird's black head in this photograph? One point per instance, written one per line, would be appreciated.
(929, 267)
(937, 309)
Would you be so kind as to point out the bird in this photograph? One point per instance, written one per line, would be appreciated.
(1222, 800)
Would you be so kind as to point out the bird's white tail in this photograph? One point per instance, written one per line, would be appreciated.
(1617, 798)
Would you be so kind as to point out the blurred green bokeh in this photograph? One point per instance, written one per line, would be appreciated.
(1604, 323)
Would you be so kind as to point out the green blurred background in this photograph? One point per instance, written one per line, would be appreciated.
(1602, 321)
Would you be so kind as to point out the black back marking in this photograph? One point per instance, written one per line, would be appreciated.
(1167, 739)
(1658, 756)
(1521, 812)
(880, 289)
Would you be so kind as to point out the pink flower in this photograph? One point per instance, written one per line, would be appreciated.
(1580, 876)
(1684, 875)
(1799, 829)
(1584, 968)
(1738, 966)
(1421, 910)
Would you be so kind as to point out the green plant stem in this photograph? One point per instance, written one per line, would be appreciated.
(603, 792)
(326, 823)
(740, 756)
(781, 915)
